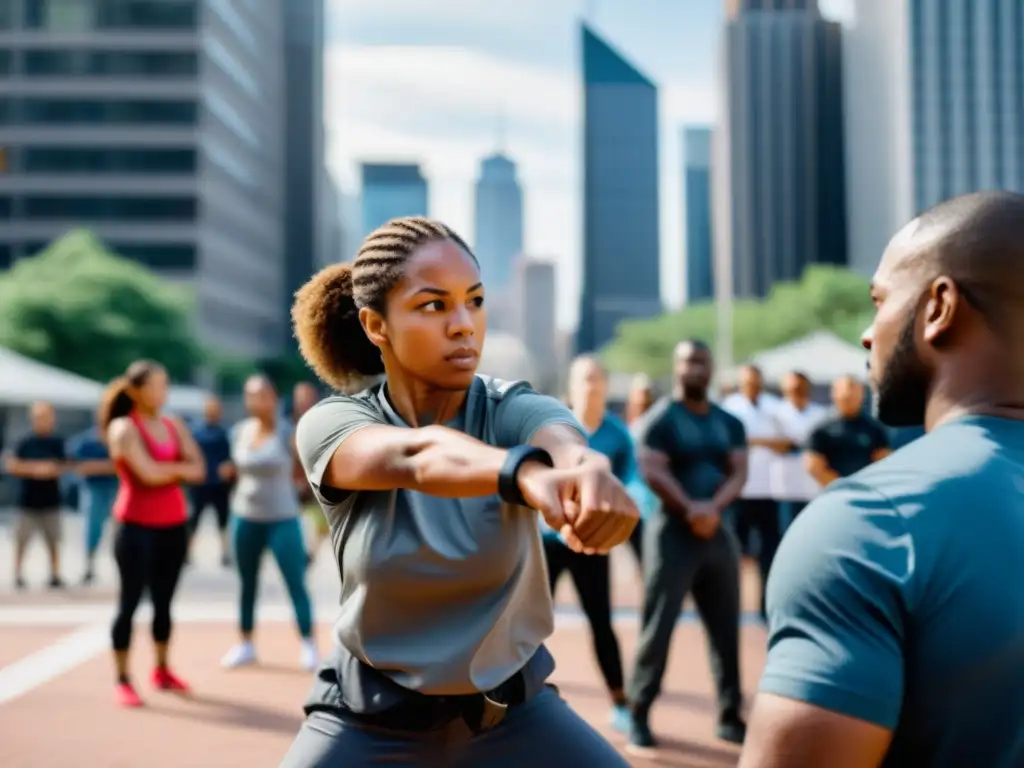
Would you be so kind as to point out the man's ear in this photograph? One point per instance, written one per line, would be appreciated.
(944, 301)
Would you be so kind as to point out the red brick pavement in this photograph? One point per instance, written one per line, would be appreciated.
(248, 717)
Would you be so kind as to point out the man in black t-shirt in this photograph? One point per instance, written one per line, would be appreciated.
(850, 441)
(38, 461)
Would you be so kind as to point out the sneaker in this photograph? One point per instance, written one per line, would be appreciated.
(56, 582)
(621, 718)
(731, 728)
(309, 658)
(19, 583)
(126, 696)
(641, 740)
(225, 560)
(88, 578)
(166, 680)
(241, 655)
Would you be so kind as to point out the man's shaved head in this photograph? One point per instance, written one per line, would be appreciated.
(951, 283)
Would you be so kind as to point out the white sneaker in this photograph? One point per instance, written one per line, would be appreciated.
(242, 655)
(308, 656)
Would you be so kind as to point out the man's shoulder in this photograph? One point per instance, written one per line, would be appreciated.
(723, 413)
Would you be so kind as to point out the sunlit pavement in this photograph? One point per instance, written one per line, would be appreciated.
(56, 677)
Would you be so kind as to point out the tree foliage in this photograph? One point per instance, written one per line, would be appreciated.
(826, 298)
(78, 306)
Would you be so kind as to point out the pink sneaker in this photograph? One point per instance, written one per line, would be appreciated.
(166, 680)
(126, 696)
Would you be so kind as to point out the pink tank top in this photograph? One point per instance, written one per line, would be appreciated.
(154, 506)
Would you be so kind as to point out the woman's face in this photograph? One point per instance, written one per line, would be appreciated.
(151, 395)
(436, 321)
(260, 399)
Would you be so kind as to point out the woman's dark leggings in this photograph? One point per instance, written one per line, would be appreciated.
(592, 576)
(147, 558)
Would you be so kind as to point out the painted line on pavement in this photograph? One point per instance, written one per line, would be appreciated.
(52, 661)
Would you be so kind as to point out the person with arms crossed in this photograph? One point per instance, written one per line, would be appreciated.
(97, 491)
(757, 511)
(38, 461)
(215, 489)
(896, 611)
(798, 416)
(693, 455)
(431, 481)
(848, 442)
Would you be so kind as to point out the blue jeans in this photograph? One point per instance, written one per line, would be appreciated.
(250, 539)
(95, 502)
(543, 732)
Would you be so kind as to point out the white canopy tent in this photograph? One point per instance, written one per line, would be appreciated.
(822, 356)
(23, 381)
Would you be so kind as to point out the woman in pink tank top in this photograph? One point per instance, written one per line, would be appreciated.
(153, 454)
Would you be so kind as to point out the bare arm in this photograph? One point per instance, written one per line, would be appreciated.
(567, 446)
(777, 444)
(654, 467)
(785, 733)
(31, 469)
(192, 468)
(126, 444)
(93, 467)
(880, 453)
(435, 460)
(817, 466)
(734, 481)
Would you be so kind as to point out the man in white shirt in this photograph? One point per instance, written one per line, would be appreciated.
(758, 510)
(792, 485)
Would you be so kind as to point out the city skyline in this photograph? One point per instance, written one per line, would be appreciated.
(434, 85)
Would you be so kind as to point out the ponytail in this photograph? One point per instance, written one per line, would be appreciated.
(117, 400)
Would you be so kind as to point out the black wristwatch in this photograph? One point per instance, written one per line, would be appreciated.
(508, 483)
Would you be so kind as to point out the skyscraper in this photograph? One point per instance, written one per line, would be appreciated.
(391, 190)
(306, 245)
(499, 221)
(535, 297)
(161, 128)
(935, 109)
(621, 246)
(700, 284)
(781, 180)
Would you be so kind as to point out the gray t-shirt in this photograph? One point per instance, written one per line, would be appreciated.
(264, 491)
(443, 596)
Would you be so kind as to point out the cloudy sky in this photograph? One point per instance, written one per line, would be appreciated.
(434, 81)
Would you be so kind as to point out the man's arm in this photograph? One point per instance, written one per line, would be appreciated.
(737, 468)
(882, 444)
(30, 469)
(816, 458)
(832, 687)
(655, 441)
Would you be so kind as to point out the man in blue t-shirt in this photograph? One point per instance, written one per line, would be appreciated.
(895, 604)
(97, 490)
(212, 438)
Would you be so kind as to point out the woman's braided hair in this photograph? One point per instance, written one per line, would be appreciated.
(325, 315)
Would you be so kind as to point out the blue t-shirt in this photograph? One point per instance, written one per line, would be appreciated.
(87, 446)
(612, 439)
(896, 597)
(214, 442)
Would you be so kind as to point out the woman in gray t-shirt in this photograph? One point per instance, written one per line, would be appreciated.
(265, 516)
(428, 480)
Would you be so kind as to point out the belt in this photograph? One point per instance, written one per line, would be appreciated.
(421, 713)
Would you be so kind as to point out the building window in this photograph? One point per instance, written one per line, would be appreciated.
(6, 204)
(54, 207)
(34, 111)
(80, 15)
(66, 63)
(91, 160)
(158, 256)
(5, 61)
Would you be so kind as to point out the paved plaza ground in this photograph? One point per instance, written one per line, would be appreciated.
(56, 702)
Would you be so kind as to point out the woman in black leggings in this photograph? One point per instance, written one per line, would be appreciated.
(591, 574)
(153, 455)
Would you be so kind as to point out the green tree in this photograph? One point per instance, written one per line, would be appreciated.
(826, 298)
(78, 306)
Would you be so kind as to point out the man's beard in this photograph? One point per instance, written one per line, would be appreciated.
(695, 392)
(901, 396)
